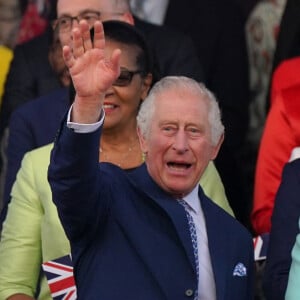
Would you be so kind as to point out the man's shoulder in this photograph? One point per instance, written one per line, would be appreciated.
(39, 44)
(216, 216)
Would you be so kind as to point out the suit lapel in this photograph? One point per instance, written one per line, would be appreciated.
(141, 179)
(217, 242)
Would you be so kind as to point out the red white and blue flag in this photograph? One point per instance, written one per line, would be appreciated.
(261, 243)
(59, 273)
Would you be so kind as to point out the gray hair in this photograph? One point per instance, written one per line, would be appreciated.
(147, 109)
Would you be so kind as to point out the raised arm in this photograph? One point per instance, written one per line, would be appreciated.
(92, 73)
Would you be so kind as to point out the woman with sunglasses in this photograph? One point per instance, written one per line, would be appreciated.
(32, 233)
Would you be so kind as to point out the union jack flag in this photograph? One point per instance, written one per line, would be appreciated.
(59, 273)
(261, 243)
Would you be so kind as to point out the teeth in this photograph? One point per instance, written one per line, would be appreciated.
(178, 166)
(108, 106)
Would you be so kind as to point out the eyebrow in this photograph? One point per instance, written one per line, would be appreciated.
(80, 13)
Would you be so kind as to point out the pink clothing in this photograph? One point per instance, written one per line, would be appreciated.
(281, 135)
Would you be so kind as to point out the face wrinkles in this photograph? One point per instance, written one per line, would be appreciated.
(179, 144)
(76, 7)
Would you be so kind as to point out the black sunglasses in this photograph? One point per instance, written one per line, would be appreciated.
(125, 77)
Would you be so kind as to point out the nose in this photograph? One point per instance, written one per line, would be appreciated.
(181, 144)
(74, 22)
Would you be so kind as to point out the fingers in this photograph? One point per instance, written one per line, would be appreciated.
(99, 40)
(78, 45)
(68, 56)
(86, 37)
(115, 61)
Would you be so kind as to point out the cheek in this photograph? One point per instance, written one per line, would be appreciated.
(65, 39)
(130, 98)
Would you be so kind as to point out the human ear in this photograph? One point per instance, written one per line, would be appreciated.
(146, 84)
(142, 140)
(217, 147)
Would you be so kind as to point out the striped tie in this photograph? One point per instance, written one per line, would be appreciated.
(193, 234)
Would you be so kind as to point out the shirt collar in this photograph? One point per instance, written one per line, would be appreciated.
(192, 199)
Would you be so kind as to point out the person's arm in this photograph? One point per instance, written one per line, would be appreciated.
(20, 248)
(275, 149)
(74, 161)
(283, 233)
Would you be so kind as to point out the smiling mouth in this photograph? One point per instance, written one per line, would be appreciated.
(178, 166)
(109, 106)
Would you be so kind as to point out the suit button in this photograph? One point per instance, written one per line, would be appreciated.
(189, 292)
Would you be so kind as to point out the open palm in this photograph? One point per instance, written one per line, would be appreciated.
(92, 74)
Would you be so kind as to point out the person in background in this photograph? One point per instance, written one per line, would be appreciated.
(292, 291)
(136, 241)
(261, 29)
(34, 124)
(279, 144)
(11, 13)
(283, 232)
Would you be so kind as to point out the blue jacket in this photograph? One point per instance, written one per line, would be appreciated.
(32, 125)
(283, 232)
(130, 239)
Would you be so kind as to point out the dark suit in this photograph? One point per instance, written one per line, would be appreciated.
(283, 232)
(130, 239)
(32, 125)
(29, 77)
(217, 29)
(288, 42)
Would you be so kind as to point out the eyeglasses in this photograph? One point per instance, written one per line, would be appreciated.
(125, 77)
(64, 24)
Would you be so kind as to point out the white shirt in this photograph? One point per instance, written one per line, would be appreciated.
(206, 284)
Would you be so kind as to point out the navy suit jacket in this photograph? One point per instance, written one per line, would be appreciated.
(129, 238)
(283, 232)
(30, 76)
(32, 125)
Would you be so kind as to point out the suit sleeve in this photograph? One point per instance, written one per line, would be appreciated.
(275, 150)
(283, 232)
(20, 247)
(73, 175)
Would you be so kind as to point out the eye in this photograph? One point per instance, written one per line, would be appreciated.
(194, 131)
(168, 129)
(90, 17)
(64, 21)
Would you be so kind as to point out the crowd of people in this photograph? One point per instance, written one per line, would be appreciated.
(150, 143)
